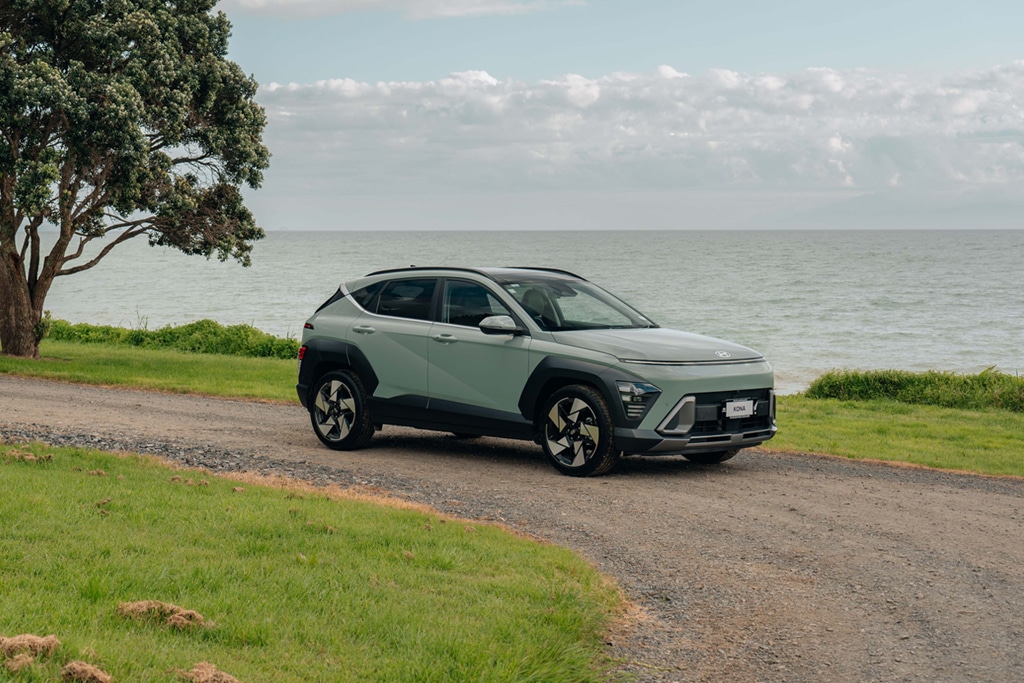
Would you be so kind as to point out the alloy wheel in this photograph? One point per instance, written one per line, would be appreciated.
(334, 410)
(572, 432)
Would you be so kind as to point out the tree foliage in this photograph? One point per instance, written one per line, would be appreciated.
(118, 119)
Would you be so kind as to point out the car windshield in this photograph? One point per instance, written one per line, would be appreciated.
(558, 305)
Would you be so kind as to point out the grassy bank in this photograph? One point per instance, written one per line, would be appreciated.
(947, 420)
(170, 370)
(986, 390)
(980, 441)
(202, 336)
(289, 585)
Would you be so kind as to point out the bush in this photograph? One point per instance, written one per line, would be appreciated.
(202, 336)
(988, 389)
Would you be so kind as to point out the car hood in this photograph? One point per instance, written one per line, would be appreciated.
(658, 345)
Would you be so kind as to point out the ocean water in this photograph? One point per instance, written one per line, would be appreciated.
(811, 301)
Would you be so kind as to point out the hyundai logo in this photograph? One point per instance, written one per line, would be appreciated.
(723, 354)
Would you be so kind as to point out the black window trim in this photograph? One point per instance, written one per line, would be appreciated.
(432, 310)
(496, 292)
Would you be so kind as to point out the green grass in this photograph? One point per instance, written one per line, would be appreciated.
(981, 441)
(162, 369)
(202, 336)
(299, 587)
(988, 389)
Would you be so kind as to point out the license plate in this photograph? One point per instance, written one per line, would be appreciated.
(736, 410)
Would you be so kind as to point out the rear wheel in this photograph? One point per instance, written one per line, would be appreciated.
(710, 458)
(339, 412)
(577, 433)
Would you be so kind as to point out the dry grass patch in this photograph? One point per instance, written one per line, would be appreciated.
(19, 662)
(25, 456)
(155, 610)
(84, 673)
(28, 644)
(20, 652)
(204, 672)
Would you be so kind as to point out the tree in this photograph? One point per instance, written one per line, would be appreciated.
(118, 119)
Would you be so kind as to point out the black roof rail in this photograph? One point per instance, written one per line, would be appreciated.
(414, 268)
(549, 270)
(478, 271)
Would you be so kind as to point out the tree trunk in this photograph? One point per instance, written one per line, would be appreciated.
(18, 315)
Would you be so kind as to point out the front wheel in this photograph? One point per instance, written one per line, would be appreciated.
(339, 412)
(710, 458)
(577, 433)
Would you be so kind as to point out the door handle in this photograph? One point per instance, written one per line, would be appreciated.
(363, 329)
(445, 338)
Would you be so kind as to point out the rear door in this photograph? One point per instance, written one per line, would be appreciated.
(393, 335)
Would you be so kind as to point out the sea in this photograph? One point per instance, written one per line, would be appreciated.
(811, 301)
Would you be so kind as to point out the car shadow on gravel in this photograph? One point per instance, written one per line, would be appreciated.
(447, 448)
(667, 465)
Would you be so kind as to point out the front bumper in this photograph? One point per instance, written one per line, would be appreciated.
(649, 442)
(701, 423)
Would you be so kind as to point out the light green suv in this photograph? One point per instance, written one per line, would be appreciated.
(526, 353)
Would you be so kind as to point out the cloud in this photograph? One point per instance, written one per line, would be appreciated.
(816, 131)
(410, 9)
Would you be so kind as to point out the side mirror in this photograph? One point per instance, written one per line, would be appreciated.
(500, 324)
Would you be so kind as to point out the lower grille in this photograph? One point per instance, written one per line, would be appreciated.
(707, 412)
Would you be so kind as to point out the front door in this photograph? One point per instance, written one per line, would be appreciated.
(467, 367)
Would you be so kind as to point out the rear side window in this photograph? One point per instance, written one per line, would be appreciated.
(407, 298)
(367, 296)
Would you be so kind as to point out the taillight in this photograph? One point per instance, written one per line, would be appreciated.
(302, 352)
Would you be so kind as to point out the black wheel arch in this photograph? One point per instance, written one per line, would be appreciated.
(553, 373)
(323, 356)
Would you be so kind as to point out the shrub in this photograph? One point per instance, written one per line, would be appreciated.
(202, 336)
(988, 389)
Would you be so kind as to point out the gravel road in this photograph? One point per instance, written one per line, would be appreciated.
(770, 567)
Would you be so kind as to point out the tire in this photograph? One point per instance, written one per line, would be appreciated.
(339, 411)
(710, 458)
(577, 433)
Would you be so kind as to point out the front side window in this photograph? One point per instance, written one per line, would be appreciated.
(407, 298)
(467, 303)
(566, 305)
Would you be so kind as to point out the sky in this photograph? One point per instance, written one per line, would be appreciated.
(646, 114)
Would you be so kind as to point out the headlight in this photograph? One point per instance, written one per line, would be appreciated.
(637, 398)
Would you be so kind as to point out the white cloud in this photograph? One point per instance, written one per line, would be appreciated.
(814, 131)
(665, 71)
(410, 9)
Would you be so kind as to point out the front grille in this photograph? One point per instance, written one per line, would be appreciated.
(711, 412)
(707, 412)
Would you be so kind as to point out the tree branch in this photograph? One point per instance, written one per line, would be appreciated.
(32, 234)
(156, 141)
(83, 240)
(123, 237)
(201, 159)
(97, 197)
